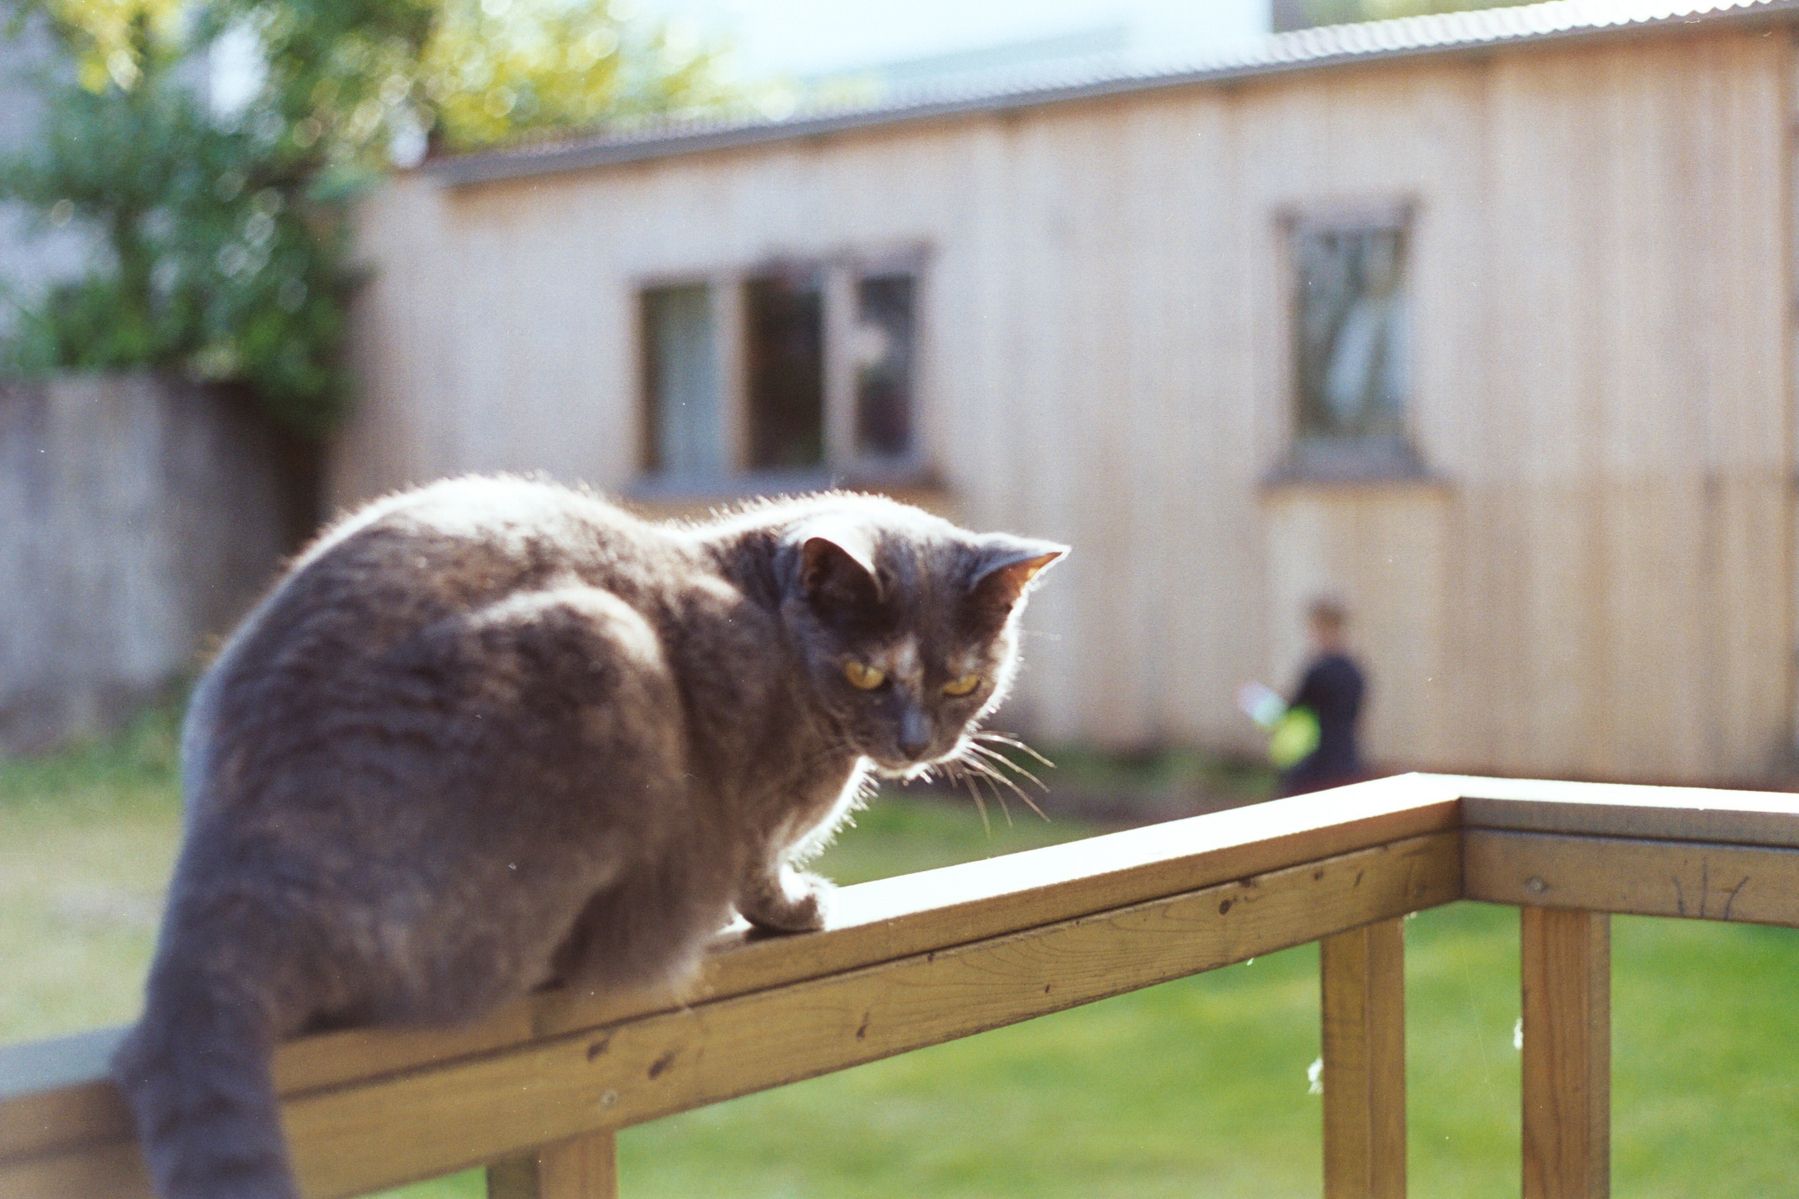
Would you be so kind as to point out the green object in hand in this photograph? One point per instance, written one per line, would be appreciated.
(1295, 735)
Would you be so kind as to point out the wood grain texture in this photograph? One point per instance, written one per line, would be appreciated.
(585, 1167)
(1603, 402)
(144, 513)
(1748, 885)
(42, 1108)
(926, 958)
(490, 1106)
(1362, 976)
(1611, 809)
(1567, 1054)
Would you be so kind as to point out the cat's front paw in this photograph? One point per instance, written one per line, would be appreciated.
(793, 903)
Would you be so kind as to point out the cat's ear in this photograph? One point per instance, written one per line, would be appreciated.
(1005, 570)
(837, 566)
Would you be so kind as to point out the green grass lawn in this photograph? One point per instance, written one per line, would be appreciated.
(1193, 1088)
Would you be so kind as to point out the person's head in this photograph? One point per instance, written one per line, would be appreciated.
(1327, 620)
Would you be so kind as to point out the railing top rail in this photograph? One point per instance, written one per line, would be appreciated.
(1629, 810)
(873, 922)
(1411, 833)
(921, 911)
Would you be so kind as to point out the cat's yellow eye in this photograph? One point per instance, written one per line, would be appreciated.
(862, 676)
(956, 688)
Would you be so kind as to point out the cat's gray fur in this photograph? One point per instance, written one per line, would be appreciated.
(495, 732)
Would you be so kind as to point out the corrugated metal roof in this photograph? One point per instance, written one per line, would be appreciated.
(1302, 50)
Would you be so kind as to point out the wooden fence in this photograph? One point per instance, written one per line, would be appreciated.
(139, 514)
(536, 1092)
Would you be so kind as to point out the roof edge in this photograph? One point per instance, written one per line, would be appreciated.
(1308, 50)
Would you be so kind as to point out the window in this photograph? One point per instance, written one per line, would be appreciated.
(883, 350)
(804, 368)
(681, 382)
(784, 315)
(1351, 311)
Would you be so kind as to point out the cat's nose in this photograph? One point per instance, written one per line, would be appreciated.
(915, 734)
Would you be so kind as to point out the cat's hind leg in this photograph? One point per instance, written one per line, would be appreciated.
(629, 880)
(650, 929)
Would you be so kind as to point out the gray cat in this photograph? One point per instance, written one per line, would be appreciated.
(494, 733)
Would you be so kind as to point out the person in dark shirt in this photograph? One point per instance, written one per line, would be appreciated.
(1332, 689)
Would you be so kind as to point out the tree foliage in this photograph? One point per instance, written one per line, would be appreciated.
(226, 243)
(219, 260)
(1340, 12)
(493, 69)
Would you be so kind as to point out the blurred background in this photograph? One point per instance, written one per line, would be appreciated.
(1475, 318)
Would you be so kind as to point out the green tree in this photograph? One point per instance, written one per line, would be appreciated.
(493, 69)
(228, 253)
(1301, 14)
(221, 261)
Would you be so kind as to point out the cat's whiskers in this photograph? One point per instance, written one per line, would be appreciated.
(999, 759)
(1014, 742)
(980, 777)
(972, 770)
(985, 768)
(980, 805)
(975, 780)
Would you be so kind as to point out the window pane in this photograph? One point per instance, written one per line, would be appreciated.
(883, 346)
(785, 317)
(1351, 331)
(681, 384)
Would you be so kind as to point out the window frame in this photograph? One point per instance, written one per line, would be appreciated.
(840, 273)
(812, 273)
(840, 390)
(1349, 458)
(648, 421)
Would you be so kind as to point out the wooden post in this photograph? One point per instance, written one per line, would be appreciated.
(1362, 972)
(839, 308)
(1567, 1054)
(730, 309)
(582, 1168)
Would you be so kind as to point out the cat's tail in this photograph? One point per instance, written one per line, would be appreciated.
(196, 1072)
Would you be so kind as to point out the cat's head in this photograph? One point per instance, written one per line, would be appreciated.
(907, 626)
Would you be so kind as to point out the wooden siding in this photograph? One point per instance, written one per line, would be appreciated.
(1596, 580)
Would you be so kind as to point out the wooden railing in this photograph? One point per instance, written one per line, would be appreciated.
(537, 1091)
